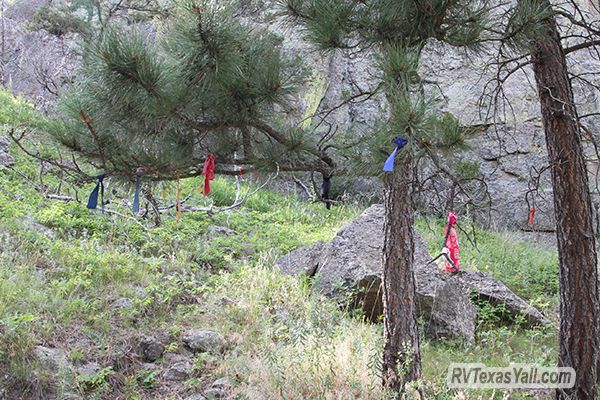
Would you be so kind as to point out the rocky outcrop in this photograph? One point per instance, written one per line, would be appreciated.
(352, 260)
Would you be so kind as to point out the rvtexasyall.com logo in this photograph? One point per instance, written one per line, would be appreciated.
(514, 376)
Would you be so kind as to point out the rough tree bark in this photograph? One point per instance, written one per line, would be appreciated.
(401, 356)
(579, 307)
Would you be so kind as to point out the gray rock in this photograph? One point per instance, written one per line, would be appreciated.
(31, 224)
(173, 358)
(215, 394)
(310, 256)
(226, 300)
(122, 302)
(222, 383)
(178, 372)
(195, 397)
(150, 348)
(352, 260)
(496, 293)
(204, 341)
(149, 367)
(509, 160)
(4, 143)
(52, 359)
(88, 369)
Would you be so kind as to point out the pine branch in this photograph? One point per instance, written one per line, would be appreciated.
(88, 121)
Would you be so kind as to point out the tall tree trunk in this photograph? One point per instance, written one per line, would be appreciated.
(401, 356)
(579, 312)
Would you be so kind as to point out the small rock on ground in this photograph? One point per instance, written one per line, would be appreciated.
(52, 358)
(151, 348)
(177, 372)
(123, 302)
(204, 341)
(215, 394)
(195, 397)
(222, 383)
(89, 369)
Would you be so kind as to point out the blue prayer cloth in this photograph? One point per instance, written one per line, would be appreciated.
(389, 163)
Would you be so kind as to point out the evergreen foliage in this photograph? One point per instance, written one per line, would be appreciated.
(524, 27)
(207, 83)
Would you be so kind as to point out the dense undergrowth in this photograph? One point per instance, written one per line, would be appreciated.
(63, 268)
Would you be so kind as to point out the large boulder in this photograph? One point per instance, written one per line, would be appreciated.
(352, 260)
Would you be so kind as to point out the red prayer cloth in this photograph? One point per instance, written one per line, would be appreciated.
(209, 172)
(531, 217)
(452, 243)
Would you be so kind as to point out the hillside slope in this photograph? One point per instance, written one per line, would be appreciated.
(104, 306)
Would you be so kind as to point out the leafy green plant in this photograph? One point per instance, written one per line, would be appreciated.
(146, 379)
(97, 382)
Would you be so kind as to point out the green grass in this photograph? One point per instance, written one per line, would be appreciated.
(530, 270)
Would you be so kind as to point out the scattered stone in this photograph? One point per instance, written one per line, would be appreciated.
(204, 341)
(140, 291)
(123, 302)
(225, 300)
(52, 358)
(89, 369)
(151, 348)
(215, 394)
(4, 143)
(149, 367)
(30, 223)
(172, 358)
(222, 383)
(195, 397)
(352, 261)
(178, 372)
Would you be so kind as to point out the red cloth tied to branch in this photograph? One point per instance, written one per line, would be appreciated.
(209, 172)
(452, 243)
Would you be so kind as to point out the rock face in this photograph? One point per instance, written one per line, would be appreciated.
(5, 158)
(352, 260)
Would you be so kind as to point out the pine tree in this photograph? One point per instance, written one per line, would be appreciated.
(159, 102)
(533, 29)
(396, 31)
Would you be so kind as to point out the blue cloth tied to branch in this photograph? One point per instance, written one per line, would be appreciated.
(389, 163)
(136, 196)
(99, 189)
